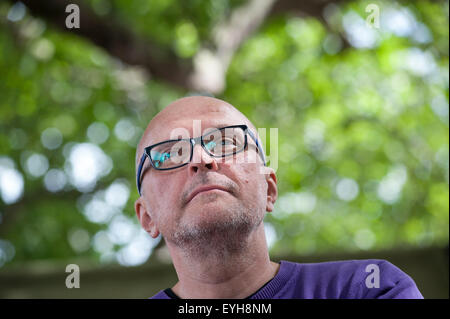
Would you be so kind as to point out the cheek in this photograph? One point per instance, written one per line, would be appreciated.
(252, 182)
(251, 172)
(163, 197)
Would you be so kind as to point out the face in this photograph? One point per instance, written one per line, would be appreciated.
(176, 202)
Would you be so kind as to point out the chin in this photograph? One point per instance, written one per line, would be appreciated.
(210, 212)
(210, 200)
(208, 209)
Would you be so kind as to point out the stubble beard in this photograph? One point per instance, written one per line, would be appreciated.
(217, 238)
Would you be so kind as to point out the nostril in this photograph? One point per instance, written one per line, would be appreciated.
(209, 166)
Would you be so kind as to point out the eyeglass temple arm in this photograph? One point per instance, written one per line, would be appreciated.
(138, 178)
(261, 152)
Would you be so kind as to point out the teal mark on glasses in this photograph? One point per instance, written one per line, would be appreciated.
(210, 145)
(160, 158)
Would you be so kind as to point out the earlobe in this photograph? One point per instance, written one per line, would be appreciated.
(144, 218)
(272, 190)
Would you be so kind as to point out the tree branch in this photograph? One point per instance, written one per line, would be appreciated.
(207, 70)
(211, 66)
(162, 63)
(310, 8)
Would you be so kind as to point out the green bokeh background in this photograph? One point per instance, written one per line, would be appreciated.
(361, 112)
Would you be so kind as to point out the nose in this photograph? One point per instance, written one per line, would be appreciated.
(201, 160)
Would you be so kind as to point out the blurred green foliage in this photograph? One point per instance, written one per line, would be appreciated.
(362, 118)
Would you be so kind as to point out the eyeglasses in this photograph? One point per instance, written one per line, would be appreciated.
(219, 142)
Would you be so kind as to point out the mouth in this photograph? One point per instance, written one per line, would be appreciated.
(204, 189)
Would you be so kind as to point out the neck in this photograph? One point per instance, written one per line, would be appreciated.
(235, 274)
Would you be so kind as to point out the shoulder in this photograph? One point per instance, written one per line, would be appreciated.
(160, 295)
(365, 278)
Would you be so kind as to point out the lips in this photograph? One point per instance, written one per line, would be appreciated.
(204, 189)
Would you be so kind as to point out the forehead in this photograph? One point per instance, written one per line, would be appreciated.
(194, 120)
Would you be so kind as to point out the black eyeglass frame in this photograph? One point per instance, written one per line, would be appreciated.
(193, 141)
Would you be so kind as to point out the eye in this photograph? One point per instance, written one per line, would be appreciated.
(228, 141)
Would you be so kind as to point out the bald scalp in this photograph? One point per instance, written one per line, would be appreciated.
(184, 108)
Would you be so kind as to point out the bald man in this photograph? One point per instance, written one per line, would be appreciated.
(205, 187)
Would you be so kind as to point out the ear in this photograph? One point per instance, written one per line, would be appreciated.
(272, 189)
(144, 217)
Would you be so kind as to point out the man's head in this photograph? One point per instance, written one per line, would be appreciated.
(178, 204)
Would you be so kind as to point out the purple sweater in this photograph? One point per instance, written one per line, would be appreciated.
(332, 280)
